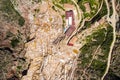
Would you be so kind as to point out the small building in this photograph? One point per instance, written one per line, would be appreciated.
(87, 6)
(70, 23)
(72, 41)
(69, 19)
(70, 30)
(101, 21)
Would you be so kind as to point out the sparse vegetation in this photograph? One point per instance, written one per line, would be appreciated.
(14, 42)
(98, 44)
(94, 6)
(13, 47)
(10, 13)
(100, 14)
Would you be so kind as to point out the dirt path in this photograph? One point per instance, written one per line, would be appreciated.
(113, 21)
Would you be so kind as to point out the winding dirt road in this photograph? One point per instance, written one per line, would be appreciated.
(113, 21)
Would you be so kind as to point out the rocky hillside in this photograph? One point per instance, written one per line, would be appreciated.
(12, 39)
